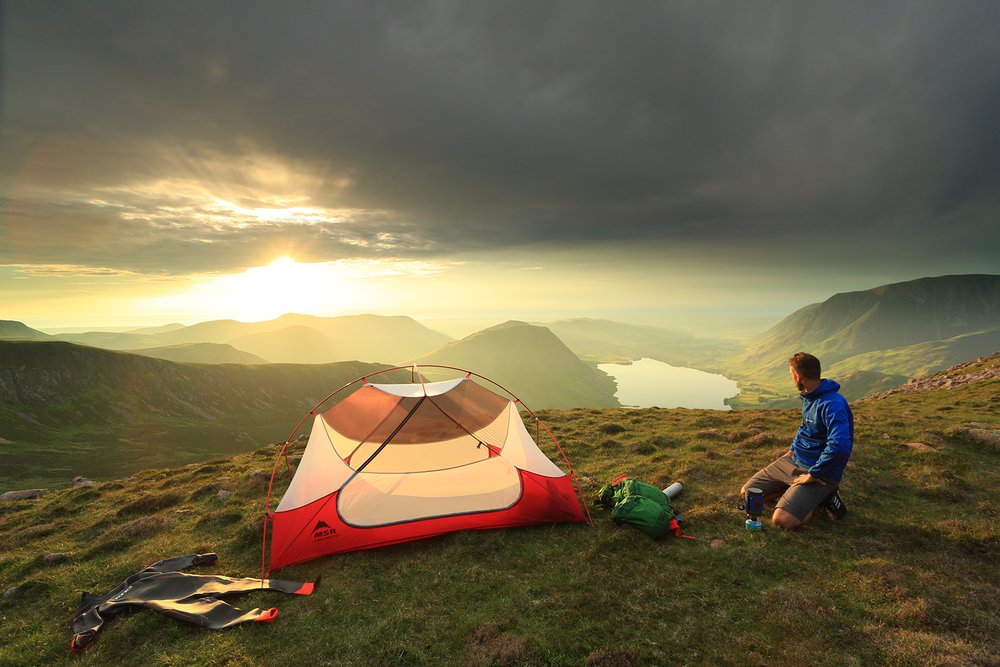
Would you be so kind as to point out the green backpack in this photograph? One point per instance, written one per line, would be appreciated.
(639, 504)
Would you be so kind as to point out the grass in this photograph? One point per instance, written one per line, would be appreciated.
(908, 578)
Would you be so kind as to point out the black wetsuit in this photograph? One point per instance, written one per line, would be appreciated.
(187, 597)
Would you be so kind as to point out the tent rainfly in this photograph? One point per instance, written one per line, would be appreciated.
(392, 463)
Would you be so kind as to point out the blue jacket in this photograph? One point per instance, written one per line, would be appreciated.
(824, 441)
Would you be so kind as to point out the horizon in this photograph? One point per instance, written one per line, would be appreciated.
(456, 328)
(710, 169)
(740, 325)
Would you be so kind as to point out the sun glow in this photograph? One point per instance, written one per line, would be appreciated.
(287, 286)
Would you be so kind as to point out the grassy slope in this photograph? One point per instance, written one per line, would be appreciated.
(201, 353)
(908, 578)
(923, 358)
(72, 410)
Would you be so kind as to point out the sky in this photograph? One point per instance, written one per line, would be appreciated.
(669, 163)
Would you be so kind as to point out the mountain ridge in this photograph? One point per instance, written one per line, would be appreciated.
(63, 403)
(371, 338)
(885, 317)
(871, 336)
(201, 353)
(516, 353)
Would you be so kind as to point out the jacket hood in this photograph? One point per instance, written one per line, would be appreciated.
(825, 387)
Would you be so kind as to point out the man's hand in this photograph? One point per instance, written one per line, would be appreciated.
(806, 479)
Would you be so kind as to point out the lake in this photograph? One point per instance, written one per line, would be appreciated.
(647, 383)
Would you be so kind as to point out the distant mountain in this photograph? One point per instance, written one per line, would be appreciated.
(890, 316)
(75, 410)
(373, 338)
(113, 340)
(882, 334)
(608, 341)
(533, 363)
(295, 344)
(382, 338)
(202, 353)
(215, 331)
(13, 330)
(155, 330)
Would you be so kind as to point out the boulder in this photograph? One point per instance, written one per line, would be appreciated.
(79, 481)
(919, 446)
(55, 557)
(987, 436)
(24, 494)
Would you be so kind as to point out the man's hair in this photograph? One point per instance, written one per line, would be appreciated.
(806, 365)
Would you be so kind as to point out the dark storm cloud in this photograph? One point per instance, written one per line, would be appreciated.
(485, 124)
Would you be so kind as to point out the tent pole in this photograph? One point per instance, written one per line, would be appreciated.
(358, 470)
(387, 441)
(413, 372)
(267, 506)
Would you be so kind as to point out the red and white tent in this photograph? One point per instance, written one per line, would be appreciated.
(392, 463)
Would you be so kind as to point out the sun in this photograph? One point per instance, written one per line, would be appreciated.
(261, 292)
(284, 272)
(265, 292)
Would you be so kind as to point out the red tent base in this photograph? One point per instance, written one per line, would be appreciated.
(317, 529)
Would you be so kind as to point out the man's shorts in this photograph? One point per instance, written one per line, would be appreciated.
(797, 500)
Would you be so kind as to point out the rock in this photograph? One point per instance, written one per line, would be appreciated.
(988, 436)
(5, 441)
(223, 494)
(953, 377)
(79, 481)
(56, 557)
(919, 446)
(885, 436)
(258, 479)
(717, 543)
(25, 494)
(10, 592)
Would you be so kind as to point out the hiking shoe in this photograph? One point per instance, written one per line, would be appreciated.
(834, 504)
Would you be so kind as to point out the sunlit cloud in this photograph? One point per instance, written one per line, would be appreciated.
(21, 271)
(177, 208)
(236, 191)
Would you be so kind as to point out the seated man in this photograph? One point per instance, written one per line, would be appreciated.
(809, 473)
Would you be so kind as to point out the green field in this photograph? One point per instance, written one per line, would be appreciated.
(908, 578)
